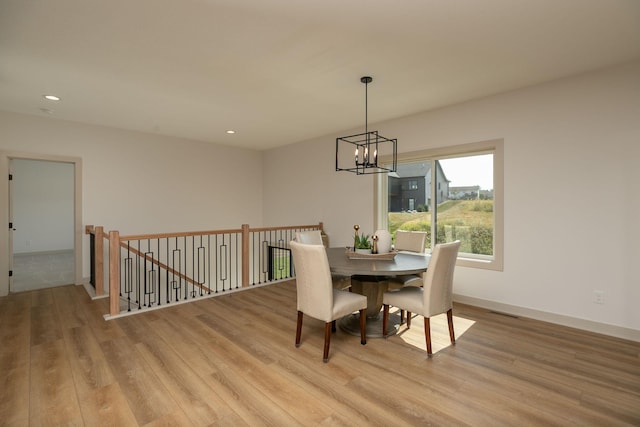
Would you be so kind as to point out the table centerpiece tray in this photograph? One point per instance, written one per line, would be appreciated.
(351, 254)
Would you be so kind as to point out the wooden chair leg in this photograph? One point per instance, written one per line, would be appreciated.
(299, 329)
(452, 334)
(363, 326)
(327, 341)
(427, 334)
(385, 319)
(408, 319)
(401, 317)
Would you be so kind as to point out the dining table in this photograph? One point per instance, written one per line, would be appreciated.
(369, 277)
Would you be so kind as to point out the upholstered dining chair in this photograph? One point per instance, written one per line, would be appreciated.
(435, 297)
(309, 237)
(412, 241)
(314, 237)
(317, 297)
(408, 241)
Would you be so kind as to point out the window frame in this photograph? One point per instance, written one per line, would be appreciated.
(495, 147)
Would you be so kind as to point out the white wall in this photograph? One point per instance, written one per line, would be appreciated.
(42, 206)
(572, 150)
(143, 183)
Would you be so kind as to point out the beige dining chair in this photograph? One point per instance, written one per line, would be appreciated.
(412, 241)
(435, 297)
(408, 241)
(314, 237)
(309, 237)
(316, 296)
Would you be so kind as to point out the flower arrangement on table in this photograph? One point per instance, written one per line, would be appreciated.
(363, 247)
(362, 243)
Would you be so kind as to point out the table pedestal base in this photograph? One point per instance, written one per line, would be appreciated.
(351, 325)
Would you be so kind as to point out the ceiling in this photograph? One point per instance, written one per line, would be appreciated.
(283, 71)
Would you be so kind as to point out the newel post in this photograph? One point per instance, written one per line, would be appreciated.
(99, 260)
(245, 255)
(114, 273)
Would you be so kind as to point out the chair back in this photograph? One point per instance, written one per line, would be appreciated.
(313, 280)
(410, 241)
(438, 280)
(311, 237)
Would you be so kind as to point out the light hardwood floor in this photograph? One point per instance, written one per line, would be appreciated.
(231, 360)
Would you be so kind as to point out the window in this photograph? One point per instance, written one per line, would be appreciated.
(413, 184)
(461, 200)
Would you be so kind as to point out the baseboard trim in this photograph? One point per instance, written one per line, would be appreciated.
(559, 319)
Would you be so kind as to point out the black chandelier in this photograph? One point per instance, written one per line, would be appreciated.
(369, 147)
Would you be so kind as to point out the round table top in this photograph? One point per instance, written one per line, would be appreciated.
(403, 263)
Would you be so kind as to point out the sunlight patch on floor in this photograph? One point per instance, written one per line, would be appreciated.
(439, 331)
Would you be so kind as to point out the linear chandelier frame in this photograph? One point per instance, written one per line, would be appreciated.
(367, 147)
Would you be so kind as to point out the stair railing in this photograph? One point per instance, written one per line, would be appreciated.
(153, 270)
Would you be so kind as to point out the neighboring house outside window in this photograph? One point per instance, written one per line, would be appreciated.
(467, 181)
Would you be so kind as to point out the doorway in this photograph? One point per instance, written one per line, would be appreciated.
(42, 207)
(20, 238)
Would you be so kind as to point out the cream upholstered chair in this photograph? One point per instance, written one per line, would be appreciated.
(412, 241)
(435, 297)
(317, 297)
(408, 241)
(314, 237)
(309, 237)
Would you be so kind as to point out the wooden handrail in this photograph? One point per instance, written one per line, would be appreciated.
(318, 226)
(178, 234)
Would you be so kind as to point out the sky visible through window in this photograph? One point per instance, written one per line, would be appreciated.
(469, 171)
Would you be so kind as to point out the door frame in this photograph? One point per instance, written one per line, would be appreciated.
(6, 252)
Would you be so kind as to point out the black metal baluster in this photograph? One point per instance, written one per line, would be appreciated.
(200, 263)
(149, 276)
(159, 275)
(209, 264)
(128, 277)
(255, 269)
(237, 257)
(175, 284)
(92, 259)
(138, 277)
(186, 283)
(215, 259)
(223, 264)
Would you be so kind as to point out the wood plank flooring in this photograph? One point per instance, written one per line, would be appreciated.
(231, 360)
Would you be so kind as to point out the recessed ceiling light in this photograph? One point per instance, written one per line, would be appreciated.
(231, 132)
(51, 97)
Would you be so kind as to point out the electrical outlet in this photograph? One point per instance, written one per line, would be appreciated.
(598, 297)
